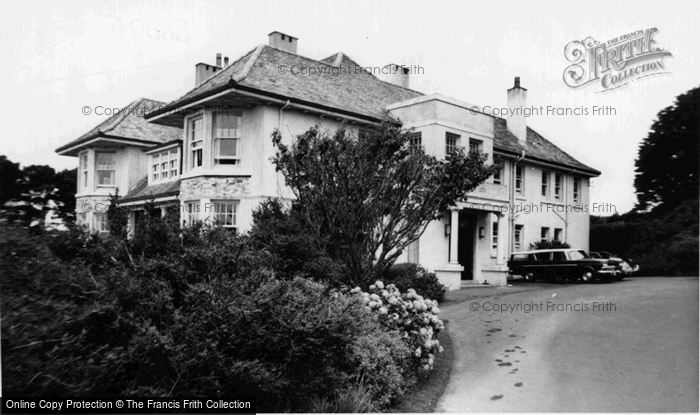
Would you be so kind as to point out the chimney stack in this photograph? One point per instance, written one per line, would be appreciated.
(282, 41)
(515, 120)
(396, 74)
(225, 61)
(202, 71)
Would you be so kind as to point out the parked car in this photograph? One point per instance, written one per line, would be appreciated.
(623, 267)
(560, 265)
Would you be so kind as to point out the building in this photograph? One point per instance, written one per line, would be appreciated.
(219, 135)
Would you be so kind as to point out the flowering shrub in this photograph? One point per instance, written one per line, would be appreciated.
(405, 276)
(415, 317)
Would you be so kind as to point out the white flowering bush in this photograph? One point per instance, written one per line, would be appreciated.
(415, 317)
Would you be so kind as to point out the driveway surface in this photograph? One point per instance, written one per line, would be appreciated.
(629, 346)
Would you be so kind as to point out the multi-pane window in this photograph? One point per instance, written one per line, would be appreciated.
(82, 219)
(518, 237)
(225, 213)
(519, 179)
(164, 165)
(545, 183)
(451, 143)
(100, 222)
(191, 212)
(196, 141)
(227, 137)
(544, 234)
(414, 252)
(106, 167)
(474, 145)
(557, 186)
(494, 234)
(557, 234)
(415, 141)
(84, 168)
(577, 189)
(174, 161)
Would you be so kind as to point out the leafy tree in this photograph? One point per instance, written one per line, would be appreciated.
(667, 165)
(367, 198)
(10, 179)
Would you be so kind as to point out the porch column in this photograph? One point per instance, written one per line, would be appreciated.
(503, 238)
(454, 233)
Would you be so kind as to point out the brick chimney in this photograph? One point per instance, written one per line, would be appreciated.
(396, 74)
(202, 71)
(515, 120)
(282, 41)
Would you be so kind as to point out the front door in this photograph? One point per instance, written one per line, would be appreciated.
(467, 233)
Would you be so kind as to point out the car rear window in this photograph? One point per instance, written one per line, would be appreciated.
(559, 256)
(577, 255)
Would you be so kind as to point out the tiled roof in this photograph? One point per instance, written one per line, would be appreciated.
(142, 191)
(130, 124)
(342, 87)
(536, 147)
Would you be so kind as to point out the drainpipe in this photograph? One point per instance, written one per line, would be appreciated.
(511, 218)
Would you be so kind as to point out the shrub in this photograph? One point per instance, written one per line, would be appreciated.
(411, 315)
(426, 284)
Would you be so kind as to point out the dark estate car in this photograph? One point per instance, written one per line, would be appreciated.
(623, 267)
(559, 265)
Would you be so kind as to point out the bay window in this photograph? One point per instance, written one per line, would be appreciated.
(100, 222)
(196, 132)
(225, 213)
(84, 168)
(227, 136)
(106, 167)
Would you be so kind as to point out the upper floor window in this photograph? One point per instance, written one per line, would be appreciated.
(196, 132)
(557, 186)
(545, 183)
(451, 143)
(174, 162)
(225, 213)
(106, 168)
(415, 141)
(474, 144)
(227, 136)
(164, 165)
(498, 174)
(84, 168)
(519, 179)
(577, 189)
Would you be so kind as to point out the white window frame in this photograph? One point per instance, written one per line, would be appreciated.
(100, 222)
(174, 163)
(191, 212)
(577, 189)
(518, 237)
(475, 145)
(102, 168)
(494, 235)
(519, 182)
(498, 174)
(558, 178)
(222, 210)
(228, 134)
(415, 140)
(451, 143)
(195, 142)
(413, 252)
(84, 169)
(545, 184)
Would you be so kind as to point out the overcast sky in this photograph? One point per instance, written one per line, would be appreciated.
(61, 56)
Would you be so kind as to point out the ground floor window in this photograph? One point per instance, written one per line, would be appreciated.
(191, 212)
(557, 234)
(413, 252)
(82, 219)
(494, 235)
(100, 222)
(225, 213)
(544, 234)
(518, 237)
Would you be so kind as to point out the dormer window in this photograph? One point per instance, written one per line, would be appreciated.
(164, 165)
(227, 137)
(106, 168)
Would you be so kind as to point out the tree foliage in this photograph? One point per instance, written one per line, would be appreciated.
(368, 197)
(667, 165)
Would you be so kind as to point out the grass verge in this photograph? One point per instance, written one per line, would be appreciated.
(424, 396)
